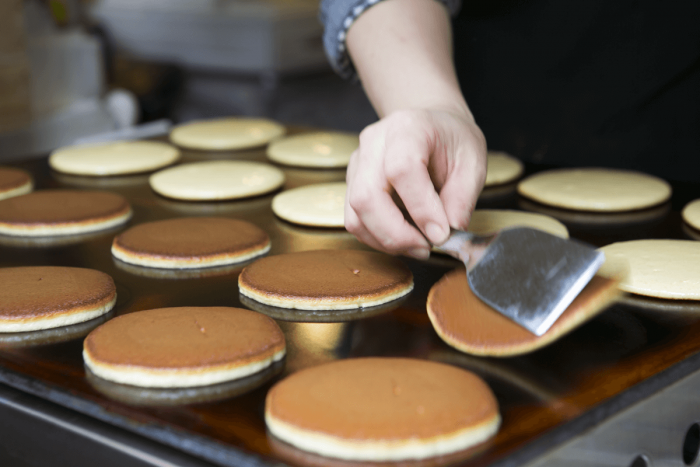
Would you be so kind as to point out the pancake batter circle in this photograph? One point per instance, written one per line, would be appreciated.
(62, 212)
(501, 168)
(320, 205)
(14, 182)
(183, 347)
(380, 409)
(326, 280)
(660, 268)
(191, 242)
(226, 133)
(595, 189)
(217, 180)
(322, 149)
(120, 158)
(43, 297)
(691, 214)
(490, 221)
(466, 323)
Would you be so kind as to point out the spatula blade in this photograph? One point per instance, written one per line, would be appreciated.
(531, 276)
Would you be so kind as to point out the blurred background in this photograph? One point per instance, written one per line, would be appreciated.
(71, 69)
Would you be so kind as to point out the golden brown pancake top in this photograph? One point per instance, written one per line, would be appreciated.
(382, 398)
(60, 206)
(186, 337)
(45, 291)
(457, 312)
(327, 274)
(11, 178)
(193, 237)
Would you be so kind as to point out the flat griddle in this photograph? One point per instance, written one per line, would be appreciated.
(620, 357)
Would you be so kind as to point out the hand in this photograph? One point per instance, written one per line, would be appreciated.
(434, 160)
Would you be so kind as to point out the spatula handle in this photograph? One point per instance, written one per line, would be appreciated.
(465, 246)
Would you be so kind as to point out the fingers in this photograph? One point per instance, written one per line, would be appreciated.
(406, 169)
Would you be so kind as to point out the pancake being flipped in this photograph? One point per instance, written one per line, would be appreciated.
(326, 280)
(116, 158)
(226, 133)
(378, 409)
(43, 297)
(466, 323)
(191, 242)
(14, 182)
(183, 347)
(62, 212)
(318, 205)
(501, 168)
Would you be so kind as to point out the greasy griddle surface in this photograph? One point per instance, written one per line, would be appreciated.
(538, 393)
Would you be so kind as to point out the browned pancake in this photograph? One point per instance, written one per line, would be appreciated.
(382, 408)
(193, 242)
(62, 212)
(14, 182)
(326, 279)
(466, 323)
(185, 346)
(42, 297)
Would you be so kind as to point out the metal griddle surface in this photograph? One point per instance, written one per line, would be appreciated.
(623, 355)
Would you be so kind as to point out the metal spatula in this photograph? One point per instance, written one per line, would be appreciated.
(525, 274)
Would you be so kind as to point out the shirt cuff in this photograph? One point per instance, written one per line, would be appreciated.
(337, 16)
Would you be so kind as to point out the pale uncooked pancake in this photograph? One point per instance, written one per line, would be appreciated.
(43, 297)
(595, 189)
(501, 168)
(326, 280)
(691, 214)
(183, 347)
(466, 323)
(488, 221)
(378, 409)
(62, 212)
(14, 182)
(660, 268)
(214, 180)
(190, 242)
(320, 205)
(120, 158)
(226, 133)
(322, 149)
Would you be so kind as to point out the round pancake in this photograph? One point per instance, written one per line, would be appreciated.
(183, 347)
(501, 168)
(14, 182)
(660, 268)
(691, 214)
(322, 149)
(190, 242)
(377, 409)
(489, 221)
(62, 212)
(595, 189)
(226, 133)
(118, 158)
(43, 297)
(326, 280)
(217, 180)
(466, 323)
(320, 205)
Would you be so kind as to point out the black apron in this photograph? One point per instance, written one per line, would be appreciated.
(612, 83)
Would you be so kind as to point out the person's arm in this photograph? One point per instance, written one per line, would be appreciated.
(426, 146)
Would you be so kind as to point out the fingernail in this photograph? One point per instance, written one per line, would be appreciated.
(419, 253)
(435, 233)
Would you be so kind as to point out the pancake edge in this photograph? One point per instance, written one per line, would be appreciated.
(66, 228)
(182, 377)
(64, 318)
(23, 189)
(381, 449)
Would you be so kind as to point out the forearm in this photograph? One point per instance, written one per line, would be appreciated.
(402, 51)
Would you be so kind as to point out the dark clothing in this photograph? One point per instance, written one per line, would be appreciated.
(585, 83)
